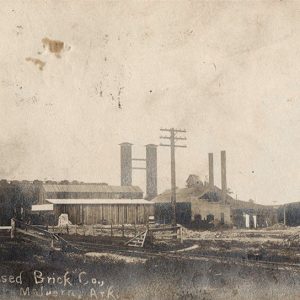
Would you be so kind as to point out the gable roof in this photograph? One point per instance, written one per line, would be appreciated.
(89, 188)
(182, 195)
(205, 192)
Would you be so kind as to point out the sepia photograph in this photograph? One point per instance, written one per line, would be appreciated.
(149, 149)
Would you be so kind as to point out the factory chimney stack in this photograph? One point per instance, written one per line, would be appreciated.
(126, 164)
(223, 176)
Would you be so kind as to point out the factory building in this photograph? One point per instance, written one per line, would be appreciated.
(203, 203)
(194, 204)
(102, 203)
(94, 203)
(247, 214)
(199, 202)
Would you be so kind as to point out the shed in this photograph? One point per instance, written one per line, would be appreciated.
(100, 211)
(94, 203)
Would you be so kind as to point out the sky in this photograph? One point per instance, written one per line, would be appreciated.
(227, 72)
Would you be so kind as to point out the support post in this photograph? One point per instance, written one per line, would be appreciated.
(173, 178)
(181, 235)
(173, 138)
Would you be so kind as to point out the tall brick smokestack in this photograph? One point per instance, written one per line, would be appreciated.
(211, 170)
(223, 176)
(151, 171)
(126, 164)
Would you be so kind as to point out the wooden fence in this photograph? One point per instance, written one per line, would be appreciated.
(162, 232)
(156, 232)
(99, 230)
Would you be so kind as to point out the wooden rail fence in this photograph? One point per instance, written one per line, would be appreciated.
(155, 232)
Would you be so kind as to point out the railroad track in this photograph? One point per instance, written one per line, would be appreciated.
(150, 253)
(84, 247)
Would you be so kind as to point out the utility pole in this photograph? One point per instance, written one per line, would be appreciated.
(173, 138)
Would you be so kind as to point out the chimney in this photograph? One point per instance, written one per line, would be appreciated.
(223, 176)
(211, 170)
(151, 171)
(126, 164)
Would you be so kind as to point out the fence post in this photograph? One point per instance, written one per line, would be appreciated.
(13, 228)
(134, 228)
(111, 229)
(123, 233)
(181, 235)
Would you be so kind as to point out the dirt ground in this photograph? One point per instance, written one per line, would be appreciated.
(103, 275)
(281, 245)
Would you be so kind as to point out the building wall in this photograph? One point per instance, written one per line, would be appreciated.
(163, 213)
(205, 208)
(187, 212)
(111, 214)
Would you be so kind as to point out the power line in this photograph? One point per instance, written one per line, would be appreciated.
(173, 138)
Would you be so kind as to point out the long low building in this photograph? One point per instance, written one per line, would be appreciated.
(99, 211)
(91, 210)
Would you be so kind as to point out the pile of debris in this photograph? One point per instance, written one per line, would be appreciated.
(278, 226)
(293, 240)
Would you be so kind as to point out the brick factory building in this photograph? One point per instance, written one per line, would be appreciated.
(203, 204)
(94, 203)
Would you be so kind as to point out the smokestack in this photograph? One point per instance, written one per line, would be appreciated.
(211, 170)
(151, 171)
(223, 175)
(126, 164)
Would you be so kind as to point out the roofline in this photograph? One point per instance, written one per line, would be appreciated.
(99, 201)
(136, 188)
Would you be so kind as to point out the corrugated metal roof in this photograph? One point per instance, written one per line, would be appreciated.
(89, 188)
(99, 201)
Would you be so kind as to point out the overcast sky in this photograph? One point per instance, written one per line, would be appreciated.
(227, 72)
